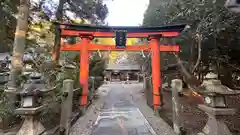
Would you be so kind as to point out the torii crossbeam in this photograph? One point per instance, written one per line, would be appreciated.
(88, 33)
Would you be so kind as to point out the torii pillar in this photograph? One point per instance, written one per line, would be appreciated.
(84, 68)
(156, 76)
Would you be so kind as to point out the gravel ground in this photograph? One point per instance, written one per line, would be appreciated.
(192, 119)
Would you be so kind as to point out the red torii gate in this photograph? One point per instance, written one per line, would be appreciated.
(88, 33)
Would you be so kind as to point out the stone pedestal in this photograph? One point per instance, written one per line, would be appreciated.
(31, 126)
(215, 124)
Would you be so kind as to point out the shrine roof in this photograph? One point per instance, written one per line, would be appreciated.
(122, 67)
(129, 29)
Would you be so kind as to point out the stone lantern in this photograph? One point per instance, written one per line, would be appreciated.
(105, 76)
(105, 79)
(127, 79)
(28, 64)
(31, 105)
(4, 72)
(215, 105)
(4, 76)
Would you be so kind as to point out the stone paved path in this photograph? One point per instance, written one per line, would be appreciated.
(120, 116)
(121, 109)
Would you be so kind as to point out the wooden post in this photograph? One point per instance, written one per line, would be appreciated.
(176, 86)
(66, 109)
(84, 69)
(156, 80)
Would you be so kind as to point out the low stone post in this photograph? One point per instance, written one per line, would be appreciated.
(215, 106)
(92, 88)
(139, 77)
(110, 79)
(144, 81)
(127, 79)
(105, 79)
(148, 90)
(176, 86)
(66, 109)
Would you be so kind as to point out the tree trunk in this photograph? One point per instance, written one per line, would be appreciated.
(19, 41)
(59, 16)
(18, 51)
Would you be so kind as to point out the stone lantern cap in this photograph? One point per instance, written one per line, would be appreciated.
(35, 86)
(69, 66)
(214, 86)
(34, 89)
(4, 73)
(211, 76)
(35, 76)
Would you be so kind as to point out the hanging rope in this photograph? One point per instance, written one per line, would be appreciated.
(99, 53)
(143, 55)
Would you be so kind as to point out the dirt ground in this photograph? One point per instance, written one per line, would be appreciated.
(193, 119)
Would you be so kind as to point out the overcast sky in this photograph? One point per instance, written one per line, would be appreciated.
(122, 12)
(126, 12)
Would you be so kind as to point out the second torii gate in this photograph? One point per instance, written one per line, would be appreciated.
(88, 33)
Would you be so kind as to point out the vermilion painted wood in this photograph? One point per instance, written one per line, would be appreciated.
(95, 47)
(156, 79)
(112, 34)
(109, 32)
(84, 70)
(154, 47)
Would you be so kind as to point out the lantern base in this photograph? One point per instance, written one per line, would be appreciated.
(31, 126)
(29, 111)
(215, 124)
